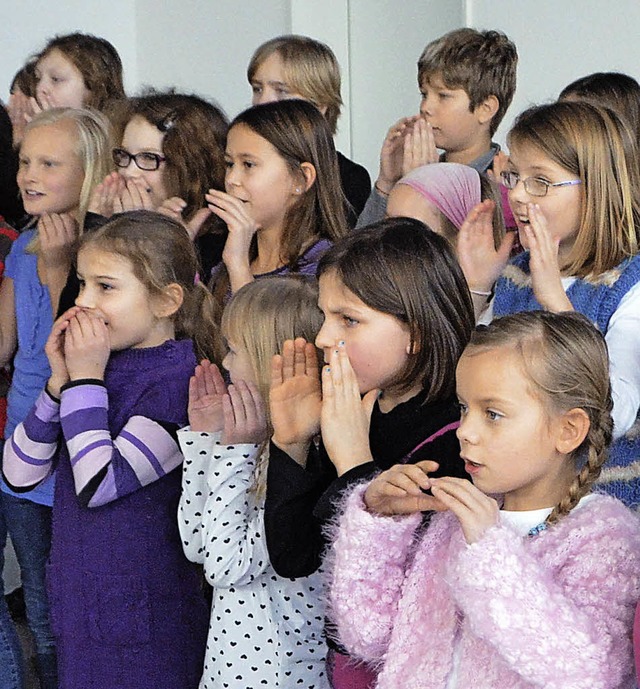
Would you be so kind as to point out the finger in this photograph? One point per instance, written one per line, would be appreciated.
(299, 356)
(288, 357)
(237, 402)
(347, 375)
(277, 377)
(197, 221)
(369, 401)
(194, 391)
(311, 360)
(433, 155)
(215, 381)
(228, 414)
(259, 407)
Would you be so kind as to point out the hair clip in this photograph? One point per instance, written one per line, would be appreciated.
(168, 122)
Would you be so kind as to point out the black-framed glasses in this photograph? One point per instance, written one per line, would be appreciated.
(534, 185)
(145, 160)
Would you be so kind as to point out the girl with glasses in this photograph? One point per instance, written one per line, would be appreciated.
(573, 181)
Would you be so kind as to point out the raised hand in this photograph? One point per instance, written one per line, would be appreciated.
(57, 234)
(20, 112)
(206, 392)
(135, 195)
(392, 154)
(475, 511)
(54, 349)
(174, 208)
(345, 416)
(400, 490)
(86, 346)
(479, 259)
(105, 194)
(245, 419)
(295, 398)
(546, 279)
(419, 146)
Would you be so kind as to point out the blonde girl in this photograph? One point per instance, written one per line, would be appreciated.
(293, 66)
(63, 153)
(282, 204)
(127, 606)
(526, 579)
(575, 194)
(265, 630)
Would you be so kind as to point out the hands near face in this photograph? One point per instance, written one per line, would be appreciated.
(57, 235)
(115, 194)
(78, 348)
(409, 144)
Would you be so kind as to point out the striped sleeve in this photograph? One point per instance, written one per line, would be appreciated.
(106, 468)
(30, 451)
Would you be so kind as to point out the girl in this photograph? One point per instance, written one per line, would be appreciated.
(575, 193)
(442, 195)
(282, 203)
(127, 607)
(395, 300)
(301, 67)
(78, 70)
(63, 154)
(275, 622)
(536, 588)
(171, 153)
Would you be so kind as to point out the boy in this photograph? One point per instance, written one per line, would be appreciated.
(467, 79)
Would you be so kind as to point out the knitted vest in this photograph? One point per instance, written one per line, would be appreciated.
(597, 299)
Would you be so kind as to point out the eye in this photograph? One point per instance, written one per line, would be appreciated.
(282, 93)
(248, 164)
(493, 415)
(56, 80)
(82, 284)
(48, 163)
(348, 321)
(228, 164)
(463, 408)
(443, 94)
(105, 287)
(256, 89)
(423, 95)
(23, 161)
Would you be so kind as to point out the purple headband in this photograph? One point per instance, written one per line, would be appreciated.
(454, 189)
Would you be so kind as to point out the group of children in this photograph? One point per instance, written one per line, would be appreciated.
(213, 373)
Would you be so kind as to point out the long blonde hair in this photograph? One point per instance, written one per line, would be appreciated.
(565, 358)
(93, 146)
(596, 146)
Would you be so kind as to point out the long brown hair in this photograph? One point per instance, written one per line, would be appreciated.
(161, 254)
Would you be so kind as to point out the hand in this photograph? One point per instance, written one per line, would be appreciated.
(419, 147)
(245, 419)
(546, 279)
(105, 194)
(392, 153)
(38, 106)
(174, 208)
(399, 490)
(500, 161)
(206, 392)
(57, 234)
(345, 417)
(479, 259)
(135, 196)
(19, 109)
(475, 511)
(242, 227)
(295, 398)
(54, 349)
(86, 346)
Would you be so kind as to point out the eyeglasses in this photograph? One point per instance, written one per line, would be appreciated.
(534, 185)
(145, 160)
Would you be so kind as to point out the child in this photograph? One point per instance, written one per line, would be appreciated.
(171, 153)
(64, 153)
(282, 203)
(301, 67)
(275, 622)
(619, 92)
(127, 607)
(575, 194)
(535, 588)
(395, 300)
(467, 79)
(442, 195)
(78, 70)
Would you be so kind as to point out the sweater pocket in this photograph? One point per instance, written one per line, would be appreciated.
(118, 609)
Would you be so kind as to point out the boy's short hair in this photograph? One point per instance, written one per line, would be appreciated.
(483, 63)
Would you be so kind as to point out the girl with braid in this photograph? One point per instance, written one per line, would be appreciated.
(526, 578)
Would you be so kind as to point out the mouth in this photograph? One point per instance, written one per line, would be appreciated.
(29, 193)
(471, 467)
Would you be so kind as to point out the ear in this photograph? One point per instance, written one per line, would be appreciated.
(308, 177)
(486, 110)
(169, 302)
(573, 428)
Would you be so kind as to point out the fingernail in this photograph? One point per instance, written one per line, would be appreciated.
(327, 369)
(341, 343)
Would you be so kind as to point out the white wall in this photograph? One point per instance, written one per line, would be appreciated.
(560, 41)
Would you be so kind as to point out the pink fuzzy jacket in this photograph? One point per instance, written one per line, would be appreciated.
(553, 611)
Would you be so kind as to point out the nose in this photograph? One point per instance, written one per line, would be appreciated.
(232, 176)
(466, 432)
(518, 195)
(84, 299)
(131, 171)
(41, 88)
(426, 106)
(325, 338)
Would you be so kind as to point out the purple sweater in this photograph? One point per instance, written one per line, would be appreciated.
(553, 611)
(126, 606)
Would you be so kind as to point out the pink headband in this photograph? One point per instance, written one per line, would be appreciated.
(454, 189)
